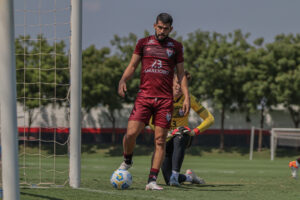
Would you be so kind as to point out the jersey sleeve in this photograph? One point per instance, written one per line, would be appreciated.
(139, 47)
(204, 114)
(179, 54)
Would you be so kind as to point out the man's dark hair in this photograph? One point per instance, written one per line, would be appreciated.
(164, 18)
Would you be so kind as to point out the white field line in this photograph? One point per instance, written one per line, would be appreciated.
(124, 194)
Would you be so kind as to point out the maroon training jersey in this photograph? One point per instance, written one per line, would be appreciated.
(159, 60)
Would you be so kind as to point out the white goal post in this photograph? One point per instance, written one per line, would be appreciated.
(9, 142)
(8, 85)
(251, 143)
(284, 137)
(75, 113)
(252, 138)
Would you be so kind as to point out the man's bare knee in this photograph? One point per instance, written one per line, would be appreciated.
(131, 136)
(133, 129)
(160, 141)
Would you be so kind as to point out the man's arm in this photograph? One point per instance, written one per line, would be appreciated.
(205, 115)
(184, 87)
(128, 73)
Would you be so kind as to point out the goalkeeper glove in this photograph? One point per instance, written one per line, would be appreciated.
(194, 132)
(181, 130)
(169, 136)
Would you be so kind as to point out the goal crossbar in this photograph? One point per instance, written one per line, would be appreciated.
(284, 137)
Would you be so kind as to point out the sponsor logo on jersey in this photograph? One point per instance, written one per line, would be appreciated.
(159, 71)
(157, 64)
(156, 68)
(151, 42)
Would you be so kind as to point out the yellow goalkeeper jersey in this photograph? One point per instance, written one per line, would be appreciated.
(178, 118)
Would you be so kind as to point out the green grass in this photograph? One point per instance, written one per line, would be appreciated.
(229, 176)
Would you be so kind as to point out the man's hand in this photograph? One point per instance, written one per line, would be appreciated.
(186, 106)
(122, 88)
(169, 136)
(194, 132)
(181, 130)
(128, 73)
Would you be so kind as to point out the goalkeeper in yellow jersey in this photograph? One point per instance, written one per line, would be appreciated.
(180, 137)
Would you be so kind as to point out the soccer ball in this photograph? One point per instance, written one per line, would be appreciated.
(121, 179)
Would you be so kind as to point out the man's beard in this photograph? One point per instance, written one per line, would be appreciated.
(160, 40)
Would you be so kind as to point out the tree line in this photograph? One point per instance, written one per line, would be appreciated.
(228, 70)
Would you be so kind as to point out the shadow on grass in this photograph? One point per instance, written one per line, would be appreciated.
(39, 196)
(208, 187)
(46, 147)
(199, 150)
(92, 148)
(139, 150)
(240, 150)
(217, 185)
(288, 152)
(144, 150)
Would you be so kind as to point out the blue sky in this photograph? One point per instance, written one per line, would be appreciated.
(262, 18)
(104, 18)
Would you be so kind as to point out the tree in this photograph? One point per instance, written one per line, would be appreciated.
(42, 74)
(213, 60)
(101, 74)
(124, 48)
(92, 82)
(259, 76)
(286, 50)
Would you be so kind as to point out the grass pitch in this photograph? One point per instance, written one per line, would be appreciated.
(229, 175)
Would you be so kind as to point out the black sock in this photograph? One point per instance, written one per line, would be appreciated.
(127, 158)
(153, 175)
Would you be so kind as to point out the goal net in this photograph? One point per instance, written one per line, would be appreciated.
(42, 45)
(284, 137)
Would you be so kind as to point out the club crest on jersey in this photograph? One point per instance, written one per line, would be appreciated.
(169, 52)
(168, 116)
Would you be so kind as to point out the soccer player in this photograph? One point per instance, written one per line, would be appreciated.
(180, 138)
(159, 55)
(294, 165)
